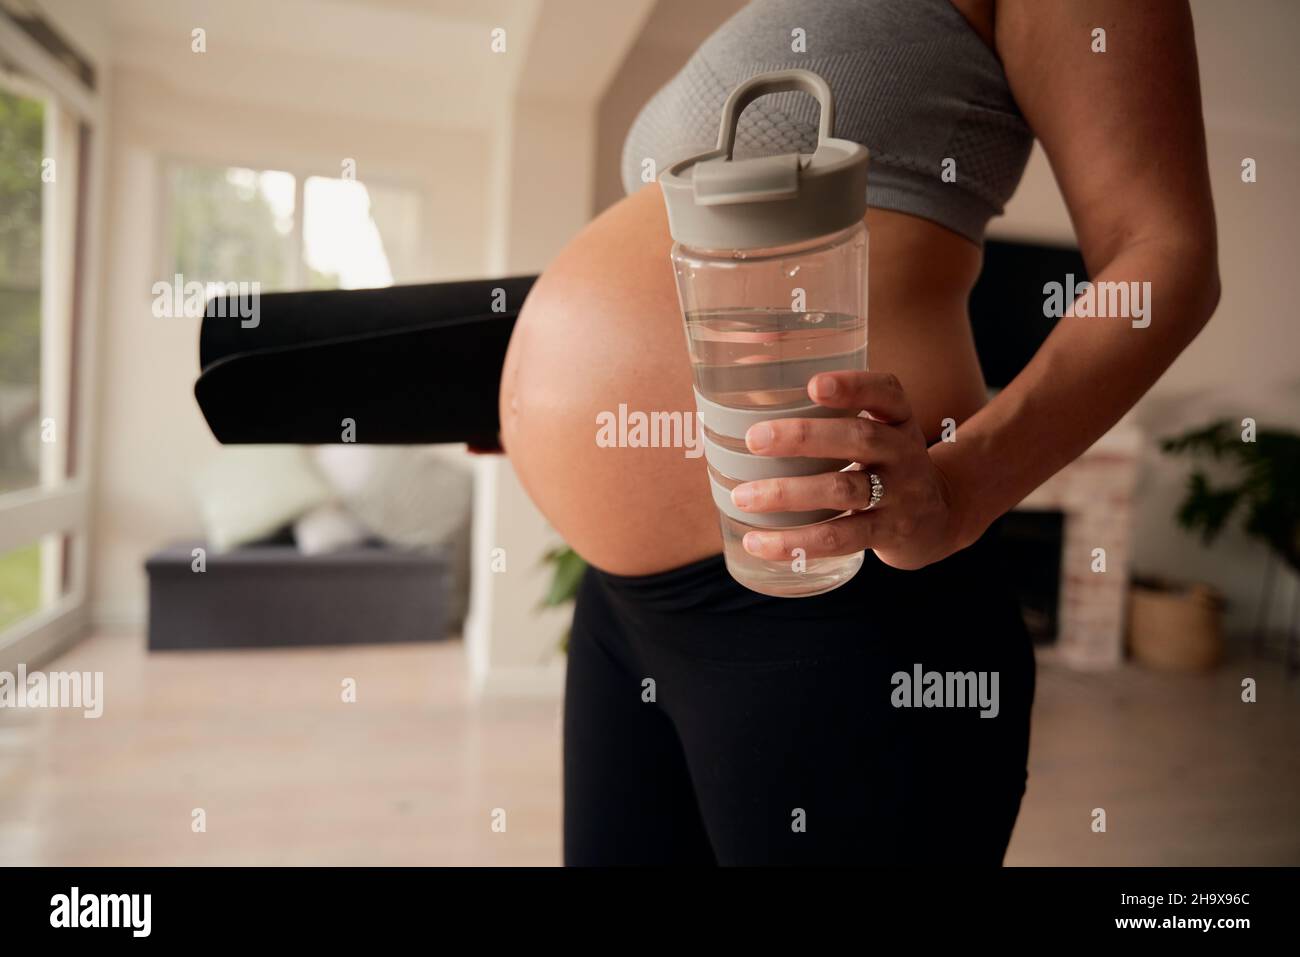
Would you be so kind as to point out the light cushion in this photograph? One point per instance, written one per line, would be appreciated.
(249, 492)
(328, 528)
(347, 468)
(407, 495)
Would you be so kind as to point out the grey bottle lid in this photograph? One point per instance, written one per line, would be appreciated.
(717, 202)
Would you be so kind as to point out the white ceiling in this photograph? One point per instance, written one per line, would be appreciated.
(423, 35)
(421, 61)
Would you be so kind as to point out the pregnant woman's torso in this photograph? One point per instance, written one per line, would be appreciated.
(602, 327)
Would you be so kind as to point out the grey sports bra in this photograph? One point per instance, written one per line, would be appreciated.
(912, 82)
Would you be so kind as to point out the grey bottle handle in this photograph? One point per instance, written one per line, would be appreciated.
(778, 81)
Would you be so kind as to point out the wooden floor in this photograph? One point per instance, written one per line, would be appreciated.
(412, 773)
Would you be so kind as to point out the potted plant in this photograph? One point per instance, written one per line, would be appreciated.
(567, 567)
(1267, 487)
(1181, 627)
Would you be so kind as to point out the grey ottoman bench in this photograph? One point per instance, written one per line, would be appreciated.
(274, 596)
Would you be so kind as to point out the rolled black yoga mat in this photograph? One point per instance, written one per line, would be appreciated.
(405, 365)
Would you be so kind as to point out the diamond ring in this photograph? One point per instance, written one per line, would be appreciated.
(877, 490)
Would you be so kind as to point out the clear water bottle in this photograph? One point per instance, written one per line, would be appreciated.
(770, 256)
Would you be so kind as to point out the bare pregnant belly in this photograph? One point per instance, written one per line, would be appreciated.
(600, 339)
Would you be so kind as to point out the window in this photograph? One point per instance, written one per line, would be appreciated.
(235, 224)
(360, 236)
(49, 112)
(232, 224)
(22, 150)
(30, 579)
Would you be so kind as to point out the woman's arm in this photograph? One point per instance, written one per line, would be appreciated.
(1124, 135)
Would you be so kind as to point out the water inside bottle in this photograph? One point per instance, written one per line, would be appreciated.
(756, 358)
(763, 359)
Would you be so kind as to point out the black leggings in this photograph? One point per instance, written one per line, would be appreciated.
(708, 724)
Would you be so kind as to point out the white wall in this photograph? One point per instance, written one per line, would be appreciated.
(550, 138)
(673, 29)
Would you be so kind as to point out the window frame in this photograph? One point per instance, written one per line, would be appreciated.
(61, 508)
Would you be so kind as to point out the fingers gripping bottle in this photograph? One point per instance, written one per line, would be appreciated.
(770, 257)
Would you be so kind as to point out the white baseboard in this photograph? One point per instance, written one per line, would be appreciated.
(44, 636)
(543, 681)
(111, 616)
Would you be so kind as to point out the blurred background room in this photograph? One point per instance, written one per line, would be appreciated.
(353, 654)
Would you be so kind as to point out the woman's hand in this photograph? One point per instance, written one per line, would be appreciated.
(914, 523)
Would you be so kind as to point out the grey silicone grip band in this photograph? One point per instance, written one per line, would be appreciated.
(748, 467)
(733, 422)
(722, 498)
